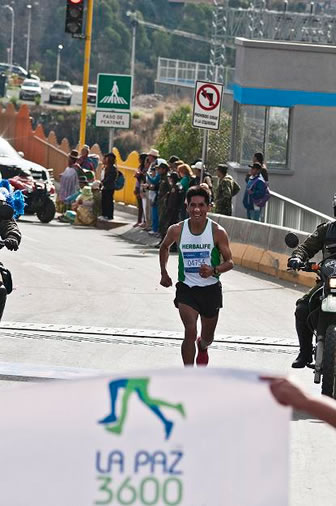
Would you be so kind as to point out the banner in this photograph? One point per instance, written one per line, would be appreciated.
(192, 437)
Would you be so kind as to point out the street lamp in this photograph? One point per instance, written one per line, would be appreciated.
(12, 35)
(59, 47)
(29, 7)
(134, 24)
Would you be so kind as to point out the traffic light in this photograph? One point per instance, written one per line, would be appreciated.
(74, 16)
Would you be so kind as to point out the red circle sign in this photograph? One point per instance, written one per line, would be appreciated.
(208, 97)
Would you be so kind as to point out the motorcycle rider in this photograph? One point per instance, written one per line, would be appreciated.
(11, 235)
(323, 239)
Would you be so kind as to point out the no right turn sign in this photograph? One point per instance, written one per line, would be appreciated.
(207, 105)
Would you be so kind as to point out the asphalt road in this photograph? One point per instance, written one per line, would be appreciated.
(109, 290)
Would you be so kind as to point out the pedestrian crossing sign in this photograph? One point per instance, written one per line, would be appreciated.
(114, 92)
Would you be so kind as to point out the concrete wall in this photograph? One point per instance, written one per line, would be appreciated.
(311, 175)
(262, 248)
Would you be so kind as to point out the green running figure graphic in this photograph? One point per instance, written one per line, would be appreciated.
(140, 387)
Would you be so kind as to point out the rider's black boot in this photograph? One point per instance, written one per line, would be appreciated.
(302, 360)
(305, 335)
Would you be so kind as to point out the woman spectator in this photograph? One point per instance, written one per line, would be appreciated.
(69, 183)
(259, 158)
(153, 182)
(140, 177)
(108, 187)
(256, 193)
(187, 177)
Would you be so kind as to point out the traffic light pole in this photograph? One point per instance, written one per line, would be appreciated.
(86, 71)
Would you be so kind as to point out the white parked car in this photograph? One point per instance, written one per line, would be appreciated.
(60, 91)
(30, 89)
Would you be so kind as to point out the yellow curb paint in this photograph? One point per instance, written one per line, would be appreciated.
(252, 257)
(268, 262)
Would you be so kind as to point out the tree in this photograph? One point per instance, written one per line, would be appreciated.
(178, 137)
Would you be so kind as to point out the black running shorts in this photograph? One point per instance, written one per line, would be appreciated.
(206, 300)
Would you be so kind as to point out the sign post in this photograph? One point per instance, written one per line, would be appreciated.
(114, 103)
(206, 111)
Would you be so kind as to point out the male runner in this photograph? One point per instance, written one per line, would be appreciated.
(198, 291)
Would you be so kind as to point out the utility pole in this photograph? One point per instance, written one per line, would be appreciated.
(59, 49)
(86, 72)
(29, 7)
(12, 35)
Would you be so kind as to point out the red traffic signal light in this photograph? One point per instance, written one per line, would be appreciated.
(74, 16)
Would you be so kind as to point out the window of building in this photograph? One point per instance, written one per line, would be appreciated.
(264, 129)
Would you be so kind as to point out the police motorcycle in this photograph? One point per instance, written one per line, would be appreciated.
(322, 317)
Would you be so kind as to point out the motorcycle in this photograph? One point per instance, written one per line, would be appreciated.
(322, 319)
(37, 197)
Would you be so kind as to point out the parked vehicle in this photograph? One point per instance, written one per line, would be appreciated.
(36, 179)
(60, 91)
(92, 94)
(323, 319)
(30, 89)
(17, 70)
(37, 197)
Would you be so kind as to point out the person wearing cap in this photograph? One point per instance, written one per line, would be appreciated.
(164, 188)
(226, 189)
(152, 157)
(259, 158)
(255, 193)
(69, 182)
(197, 168)
(171, 162)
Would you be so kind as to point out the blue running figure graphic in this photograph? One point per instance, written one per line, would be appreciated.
(140, 387)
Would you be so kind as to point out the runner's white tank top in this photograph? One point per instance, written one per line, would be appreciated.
(195, 250)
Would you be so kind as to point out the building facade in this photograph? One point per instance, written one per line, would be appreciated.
(285, 106)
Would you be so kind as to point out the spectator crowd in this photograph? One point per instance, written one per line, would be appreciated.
(161, 186)
(160, 189)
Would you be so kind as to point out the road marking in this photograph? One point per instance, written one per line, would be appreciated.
(44, 267)
(124, 333)
(101, 262)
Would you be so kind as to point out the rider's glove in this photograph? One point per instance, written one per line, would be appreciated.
(295, 263)
(11, 244)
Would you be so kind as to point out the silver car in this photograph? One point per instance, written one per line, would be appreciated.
(60, 91)
(30, 89)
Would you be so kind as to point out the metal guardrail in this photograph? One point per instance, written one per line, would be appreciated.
(282, 211)
(187, 73)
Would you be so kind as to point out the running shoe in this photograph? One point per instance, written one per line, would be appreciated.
(202, 355)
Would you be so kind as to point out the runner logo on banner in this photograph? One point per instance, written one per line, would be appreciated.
(162, 438)
(207, 105)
